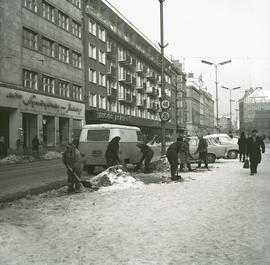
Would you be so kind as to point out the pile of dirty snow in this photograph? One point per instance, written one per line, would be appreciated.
(115, 176)
(12, 159)
(51, 155)
(161, 165)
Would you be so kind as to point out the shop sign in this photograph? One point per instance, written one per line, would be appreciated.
(14, 95)
(41, 103)
(112, 117)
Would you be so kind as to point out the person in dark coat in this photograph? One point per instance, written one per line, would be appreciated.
(202, 150)
(231, 134)
(184, 155)
(112, 152)
(242, 143)
(255, 146)
(172, 156)
(2, 146)
(35, 147)
(72, 157)
(148, 154)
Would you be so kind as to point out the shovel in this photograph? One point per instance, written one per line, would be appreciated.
(85, 183)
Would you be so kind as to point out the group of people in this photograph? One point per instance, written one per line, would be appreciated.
(251, 147)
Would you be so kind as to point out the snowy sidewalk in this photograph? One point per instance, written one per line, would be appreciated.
(215, 217)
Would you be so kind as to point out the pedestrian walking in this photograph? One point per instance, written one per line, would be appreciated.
(242, 143)
(172, 156)
(255, 146)
(112, 152)
(184, 155)
(72, 158)
(35, 146)
(202, 150)
(148, 154)
(2, 147)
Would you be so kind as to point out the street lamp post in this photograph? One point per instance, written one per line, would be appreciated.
(231, 100)
(216, 65)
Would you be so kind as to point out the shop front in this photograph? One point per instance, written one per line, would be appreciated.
(25, 115)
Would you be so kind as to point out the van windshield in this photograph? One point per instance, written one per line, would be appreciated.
(98, 135)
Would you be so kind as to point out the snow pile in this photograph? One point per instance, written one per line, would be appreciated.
(161, 165)
(115, 176)
(52, 155)
(12, 159)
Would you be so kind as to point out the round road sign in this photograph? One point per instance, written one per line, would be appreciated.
(165, 104)
(165, 116)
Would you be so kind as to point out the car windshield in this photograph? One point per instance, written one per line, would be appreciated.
(223, 139)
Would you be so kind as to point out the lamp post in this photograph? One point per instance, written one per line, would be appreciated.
(231, 89)
(216, 65)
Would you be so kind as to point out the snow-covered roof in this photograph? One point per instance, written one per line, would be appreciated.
(260, 93)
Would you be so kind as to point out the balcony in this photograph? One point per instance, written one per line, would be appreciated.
(132, 64)
(125, 78)
(141, 87)
(133, 81)
(153, 106)
(125, 59)
(111, 51)
(141, 103)
(111, 71)
(151, 75)
(140, 69)
(112, 94)
(127, 98)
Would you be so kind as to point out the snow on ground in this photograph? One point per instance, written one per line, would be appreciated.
(214, 217)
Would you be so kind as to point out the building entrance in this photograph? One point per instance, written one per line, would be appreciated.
(29, 129)
(48, 128)
(63, 131)
(4, 131)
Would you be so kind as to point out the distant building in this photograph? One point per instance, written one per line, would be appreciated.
(41, 72)
(200, 107)
(254, 111)
(225, 124)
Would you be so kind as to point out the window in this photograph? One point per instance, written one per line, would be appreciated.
(76, 3)
(30, 4)
(63, 20)
(48, 47)
(48, 84)
(63, 54)
(98, 135)
(92, 51)
(92, 100)
(76, 59)
(76, 29)
(48, 11)
(29, 39)
(30, 79)
(101, 34)
(102, 57)
(92, 27)
(102, 79)
(92, 75)
(63, 89)
(102, 102)
(76, 92)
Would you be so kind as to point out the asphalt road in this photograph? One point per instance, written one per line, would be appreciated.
(19, 180)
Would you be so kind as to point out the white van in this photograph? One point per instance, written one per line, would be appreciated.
(95, 138)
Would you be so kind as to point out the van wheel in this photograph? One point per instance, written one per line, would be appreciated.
(232, 154)
(90, 169)
(211, 158)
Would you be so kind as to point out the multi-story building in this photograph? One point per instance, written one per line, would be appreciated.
(123, 72)
(41, 73)
(200, 107)
(225, 125)
(254, 111)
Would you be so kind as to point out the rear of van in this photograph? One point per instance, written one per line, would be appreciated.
(94, 140)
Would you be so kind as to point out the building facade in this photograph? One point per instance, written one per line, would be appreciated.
(123, 73)
(254, 111)
(200, 107)
(41, 73)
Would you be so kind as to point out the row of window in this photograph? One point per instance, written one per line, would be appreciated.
(50, 13)
(92, 52)
(51, 48)
(51, 85)
(93, 77)
(100, 33)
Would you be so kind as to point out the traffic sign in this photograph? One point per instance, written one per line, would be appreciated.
(165, 104)
(165, 116)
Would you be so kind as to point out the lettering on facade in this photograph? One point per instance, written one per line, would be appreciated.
(112, 116)
(73, 108)
(14, 95)
(41, 103)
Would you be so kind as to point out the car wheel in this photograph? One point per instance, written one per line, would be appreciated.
(211, 158)
(90, 169)
(232, 154)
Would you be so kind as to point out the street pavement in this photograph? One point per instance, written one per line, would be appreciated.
(216, 217)
(19, 180)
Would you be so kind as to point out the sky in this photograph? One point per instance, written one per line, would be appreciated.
(213, 30)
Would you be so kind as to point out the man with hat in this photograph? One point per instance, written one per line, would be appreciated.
(255, 146)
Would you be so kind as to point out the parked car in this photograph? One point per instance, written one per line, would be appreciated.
(225, 140)
(215, 151)
(95, 138)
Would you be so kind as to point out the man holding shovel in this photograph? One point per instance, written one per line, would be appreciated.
(72, 160)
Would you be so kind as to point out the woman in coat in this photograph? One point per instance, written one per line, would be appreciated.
(112, 152)
(242, 143)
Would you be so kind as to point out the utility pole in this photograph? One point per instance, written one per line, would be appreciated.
(163, 94)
